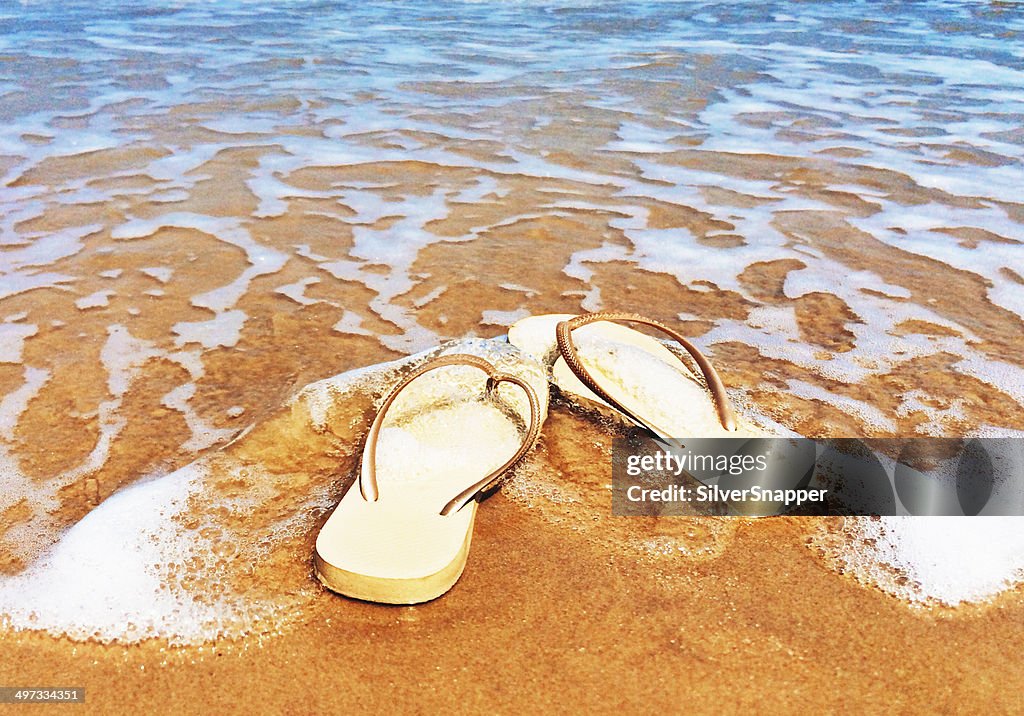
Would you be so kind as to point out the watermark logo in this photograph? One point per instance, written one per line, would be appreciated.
(800, 476)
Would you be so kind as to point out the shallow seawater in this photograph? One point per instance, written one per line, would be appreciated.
(205, 207)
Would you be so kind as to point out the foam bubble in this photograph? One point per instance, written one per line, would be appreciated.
(203, 434)
(160, 273)
(102, 578)
(351, 322)
(99, 299)
(297, 291)
(223, 330)
(945, 560)
(12, 340)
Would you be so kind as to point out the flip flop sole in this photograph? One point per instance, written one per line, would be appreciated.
(401, 534)
(391, 589)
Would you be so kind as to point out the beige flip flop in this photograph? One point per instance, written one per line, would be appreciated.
(629, 375)
(402, 534)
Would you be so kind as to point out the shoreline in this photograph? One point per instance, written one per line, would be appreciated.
(711, 638)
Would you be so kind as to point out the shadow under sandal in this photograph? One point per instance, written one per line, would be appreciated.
(629, 375)
(401, 537)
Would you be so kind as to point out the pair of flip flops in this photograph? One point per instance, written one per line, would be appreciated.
(401, 535)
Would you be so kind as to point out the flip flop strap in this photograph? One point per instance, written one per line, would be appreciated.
(563, 332)
(368, 474)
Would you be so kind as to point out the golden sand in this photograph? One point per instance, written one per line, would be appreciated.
(552, 617)
(562, 607)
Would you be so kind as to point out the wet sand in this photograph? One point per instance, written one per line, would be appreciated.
(564, 607)
(545, 618)
(186, 243)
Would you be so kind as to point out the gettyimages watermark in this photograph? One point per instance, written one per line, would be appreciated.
(800, 476)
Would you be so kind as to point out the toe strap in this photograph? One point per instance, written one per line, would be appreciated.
(563, 334)
(368, 473)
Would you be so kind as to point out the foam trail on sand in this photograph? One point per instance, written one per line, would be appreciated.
(104, 577)
(944, 560)
(221, 548)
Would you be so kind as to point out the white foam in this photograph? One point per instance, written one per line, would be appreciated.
(502, 318)
(203, 434)
(430, 297)
(297, 291)
(960, 88)
(871, 418)
(351, 323)
(15, 402)
(950, 560)
(99, 299)
(223, 330)
(102, 578)
(41, 498)
(117, 574)
(160, 273)
(12, 340)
